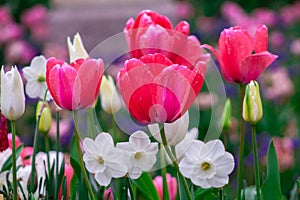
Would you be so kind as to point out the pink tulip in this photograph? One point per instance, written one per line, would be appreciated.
(237, 63)
(18, 141)
(108, 195)
(172, 186)
(3, 134)
(26, 155)
(156, 90)
(74, 86)
(152, 33)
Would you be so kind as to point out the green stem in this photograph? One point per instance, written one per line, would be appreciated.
(132, 196)
(166, 195)
(242, 144)
(57, 154)
(114, 130)
(14, 160)
(256, 163)
(221, 193)
(36, 133)
(47, 149)
(174, 161)
(83, 171)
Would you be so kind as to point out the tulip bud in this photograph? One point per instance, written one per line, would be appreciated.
(110, 99)
(43, 110)
(12, 94)
(76, 49)
(226, 116)
(252, 106)
(3, 134)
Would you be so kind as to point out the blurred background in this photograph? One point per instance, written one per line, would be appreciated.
(33, 27)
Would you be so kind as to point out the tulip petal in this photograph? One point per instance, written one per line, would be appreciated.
(156, 63)
(87, 83)
(261, 39)
(252, 66)
(183, 27)
(235, 44)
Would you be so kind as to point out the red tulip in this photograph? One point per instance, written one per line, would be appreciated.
(74, 86)
(237, 62)
(152, 33)
(3, 134)
(155, 89)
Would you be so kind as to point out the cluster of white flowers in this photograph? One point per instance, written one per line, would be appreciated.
(206, 164)
(24, 172)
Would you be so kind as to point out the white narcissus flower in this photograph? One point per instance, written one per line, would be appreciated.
(103, 159)
(141, 153)
(12, 94)
(76, 49)
(183, 146)
(207, 164)
(174, 131)
(4, 155)
(110, 99)
(35, 74)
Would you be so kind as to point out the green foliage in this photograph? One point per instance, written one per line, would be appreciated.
(145, 185)
(271, 188)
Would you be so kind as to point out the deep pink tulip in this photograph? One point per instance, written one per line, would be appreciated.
(156, 90)
(74, 86)
(3, 134)
(26, 155)
(153, 33)
(69, 172)
(237, 62)
(172, 186)
(108, 195)
(18, 141)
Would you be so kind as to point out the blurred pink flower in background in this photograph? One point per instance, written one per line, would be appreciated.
(10, 31)
(19, 52)
(285, 152)
(5, 16)
(184, 10)
(172, 186)
(290, 13)
(55, 50)
(34, 16)
(276, 38)
(277, 84)
(295, 47)
(264, 16)
(35, 19)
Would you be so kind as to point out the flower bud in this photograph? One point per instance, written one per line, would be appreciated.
(110, 99)
(76, 49)
(226, 116)
(252, 106)
(12, 94)
(43, 110)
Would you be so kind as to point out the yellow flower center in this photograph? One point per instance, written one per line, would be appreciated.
(205, 166)
(100, 160)
(138, 155)
(41, 78)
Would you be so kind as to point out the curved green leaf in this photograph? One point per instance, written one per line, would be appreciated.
(146, 186)
(271, 188)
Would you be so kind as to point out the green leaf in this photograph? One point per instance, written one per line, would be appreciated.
(146, 186)
(8, 163)
(271, 188)
(202, 193)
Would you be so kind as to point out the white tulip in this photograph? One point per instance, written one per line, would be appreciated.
(76, 49)
(12, 94)
(110, 99)
(175, 131)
